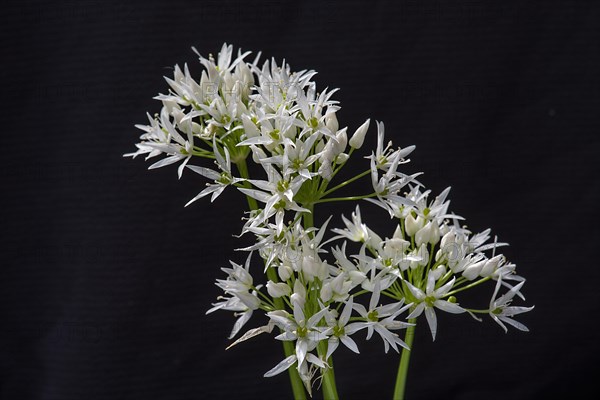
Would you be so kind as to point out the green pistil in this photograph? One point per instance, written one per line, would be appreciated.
(338, 331)
(275, 134)
(225, 179)
(280, 205)
(301, 332)
(282, 186)
(373, 316)
(313, 122)
(426, 212)
(296, 164)
(430, 300)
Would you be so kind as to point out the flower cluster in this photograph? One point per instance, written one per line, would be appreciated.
(309, 287)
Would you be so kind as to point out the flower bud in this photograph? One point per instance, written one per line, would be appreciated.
(285, 272)
(279, 289)
(397, 245)
(356, 141)
(490, 266)
(434, 237)
(398, 233)
(448, 240)
(313, 268)
(340, 142)
(326, 292)
(299, 289)
(325, 170)
(472, 271)
(424, 235)
(412, 224)
(341, 158)
(331, 122)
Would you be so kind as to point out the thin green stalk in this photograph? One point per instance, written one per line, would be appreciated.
(460, 289)
(341, 185)
(400, 387)
(243, 170)
(329, 387)
(296, 382)
(349, 198)
(288, 347)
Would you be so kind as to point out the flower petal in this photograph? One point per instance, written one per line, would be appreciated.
(282, 366)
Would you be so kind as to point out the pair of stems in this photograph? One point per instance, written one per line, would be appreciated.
(329, 385)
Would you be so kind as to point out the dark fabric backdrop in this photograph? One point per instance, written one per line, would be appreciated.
(105, 277)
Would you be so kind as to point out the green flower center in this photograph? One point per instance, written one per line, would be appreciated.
(373, 316)
(301, 332)
(224, 179)
(282, 186)
(275, 134)
(338, 331)
(429, 300)
(313, 122)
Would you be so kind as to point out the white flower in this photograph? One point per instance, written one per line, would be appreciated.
(336, 289)
(162, 138)
(239, 283)
(241, 310)
(431, 299)
(339, 331)
(221, 179)
(501, 311)
(381, 319)
(307, 335)
(357, 231)
(278, 195)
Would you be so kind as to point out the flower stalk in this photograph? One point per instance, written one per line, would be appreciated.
(401, 376)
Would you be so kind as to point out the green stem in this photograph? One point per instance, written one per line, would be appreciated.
(329, 387)
(341, 185)
(350, 198)
(400, 387)
(460, 289)
(296, 382)
(288, 347)
(243, 170)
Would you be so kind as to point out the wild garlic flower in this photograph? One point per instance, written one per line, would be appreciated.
(432, 298)
(276, 120)
(502, 312)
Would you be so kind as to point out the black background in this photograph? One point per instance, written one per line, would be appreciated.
(106, 277)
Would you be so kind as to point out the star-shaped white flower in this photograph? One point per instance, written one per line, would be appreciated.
(381, 319)
(501, 311)
(221, 179)
(431, 299)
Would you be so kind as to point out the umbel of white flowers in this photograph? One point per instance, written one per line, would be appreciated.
(316, 294)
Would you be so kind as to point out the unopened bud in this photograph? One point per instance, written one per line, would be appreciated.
(357, 140)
